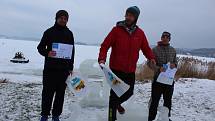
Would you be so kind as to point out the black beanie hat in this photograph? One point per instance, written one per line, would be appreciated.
(62, 13)
(134, 10)
(165, 33)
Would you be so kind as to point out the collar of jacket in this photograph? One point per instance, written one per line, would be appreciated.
(130, 30)
(56, 25)
(160, 43)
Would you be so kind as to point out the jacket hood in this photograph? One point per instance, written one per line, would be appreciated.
(56, 25)
(129, 29)
(160, 43)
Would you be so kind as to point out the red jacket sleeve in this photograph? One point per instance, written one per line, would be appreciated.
(147, 51)
(108, 42)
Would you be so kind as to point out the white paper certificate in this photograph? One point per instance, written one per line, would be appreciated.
(118, 86)
(63, 51)
(167, 77)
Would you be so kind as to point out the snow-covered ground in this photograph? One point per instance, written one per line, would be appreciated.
(193, 100)
(203, 59)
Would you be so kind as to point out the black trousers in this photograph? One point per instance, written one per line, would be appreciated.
(53, 87)
(159, 89)
(114, 100)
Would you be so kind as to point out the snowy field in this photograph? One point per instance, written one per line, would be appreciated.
(33, 69)
(193, 99)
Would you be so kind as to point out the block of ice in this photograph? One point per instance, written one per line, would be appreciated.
(134, 112)
(97, 95)
(163, 114)
(75, 111)
(90, 68)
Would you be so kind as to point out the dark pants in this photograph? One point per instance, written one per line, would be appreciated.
(159, 89)
(114, 100)
(53, 87)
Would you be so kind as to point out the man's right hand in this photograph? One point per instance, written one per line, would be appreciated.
(162, 69)
(101, 62)
(51, 54)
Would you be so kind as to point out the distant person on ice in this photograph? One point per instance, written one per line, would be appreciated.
(56, 70)
(126, 40)
(164, 53)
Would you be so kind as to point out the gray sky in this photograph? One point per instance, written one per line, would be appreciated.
(191, 22)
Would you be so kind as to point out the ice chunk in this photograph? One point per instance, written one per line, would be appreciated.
(90, 68)
(163, 114)
(134, 112)
(102, 117)
(97, 95)
(75, 110)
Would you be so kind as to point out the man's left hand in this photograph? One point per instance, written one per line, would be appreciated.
(71, 72)
(153, 61)
(172, 66)
(152, 64)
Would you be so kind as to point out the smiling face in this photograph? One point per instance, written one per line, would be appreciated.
(130, 19)
(62, 20)
(165, 38)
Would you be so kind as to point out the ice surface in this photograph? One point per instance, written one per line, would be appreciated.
(75, 110)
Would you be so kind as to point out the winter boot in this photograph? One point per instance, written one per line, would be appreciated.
(121, 110)
(44, 118)
(55, 118)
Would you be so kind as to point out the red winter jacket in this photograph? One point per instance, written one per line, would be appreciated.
(125, 49)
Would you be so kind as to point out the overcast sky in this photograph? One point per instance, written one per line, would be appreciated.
(191, 22)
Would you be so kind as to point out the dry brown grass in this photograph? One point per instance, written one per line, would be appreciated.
(187, 68)
(144, 73)
(211, 71)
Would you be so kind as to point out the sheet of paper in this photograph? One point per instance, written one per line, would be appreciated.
(167, 77)
(63, 51)
(118, 86)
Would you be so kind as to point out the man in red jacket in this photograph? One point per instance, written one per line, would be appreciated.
(126, 40)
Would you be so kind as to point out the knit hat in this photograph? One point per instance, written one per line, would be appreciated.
(134, 10)
(62, 13)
